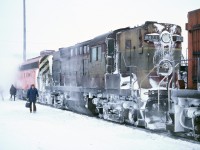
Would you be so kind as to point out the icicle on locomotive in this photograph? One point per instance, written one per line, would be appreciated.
(122, 76)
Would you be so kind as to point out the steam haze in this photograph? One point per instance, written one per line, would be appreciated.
(8, 74)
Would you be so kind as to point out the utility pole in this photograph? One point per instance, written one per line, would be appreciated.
(24, 18)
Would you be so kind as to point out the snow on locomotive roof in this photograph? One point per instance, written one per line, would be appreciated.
(111, 34)
(159, 26)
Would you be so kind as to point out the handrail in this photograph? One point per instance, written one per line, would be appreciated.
(125, 62)
(169, 92)
(169, 88)
(159, 91)
(129, 67)
(145, 78)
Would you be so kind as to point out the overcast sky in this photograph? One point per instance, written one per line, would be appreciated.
(52, 24)
(57, 23)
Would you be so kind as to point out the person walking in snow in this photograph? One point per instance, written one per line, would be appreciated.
(13, 92)
(32, 95)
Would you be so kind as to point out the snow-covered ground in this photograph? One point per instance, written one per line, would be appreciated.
(53, 129)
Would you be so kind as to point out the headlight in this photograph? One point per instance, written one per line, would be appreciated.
(166, 37)
(165, 68)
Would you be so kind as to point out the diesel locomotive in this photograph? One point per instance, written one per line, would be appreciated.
(129, 75)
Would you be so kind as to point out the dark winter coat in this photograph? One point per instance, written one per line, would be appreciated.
(13, 90)
(32, 94)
